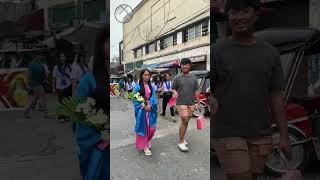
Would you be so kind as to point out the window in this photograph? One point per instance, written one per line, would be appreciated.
(191, 33)
(61, 15)
(139, 64)
(175, 39)
(196, 31)
(205, 28)
(92, 10)
(168, 41)
(138, 53)
(152, 47)
(135, 53)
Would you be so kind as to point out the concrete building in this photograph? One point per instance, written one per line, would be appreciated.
(165, 31)
(11, 10)
(61, 14)
(314, 14)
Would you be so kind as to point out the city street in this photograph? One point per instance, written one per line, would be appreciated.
(37, 148)
(166, 162)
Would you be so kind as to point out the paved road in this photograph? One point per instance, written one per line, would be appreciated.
(36, 149)
(167, 162)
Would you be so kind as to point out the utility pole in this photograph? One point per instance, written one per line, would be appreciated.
(33, 5)
(76, 8)
(81, 4)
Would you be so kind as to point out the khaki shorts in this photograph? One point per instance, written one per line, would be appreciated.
(238, 155)
(185, 110)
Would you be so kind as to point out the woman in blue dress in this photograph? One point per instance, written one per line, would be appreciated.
(146, 116)
(93, 151)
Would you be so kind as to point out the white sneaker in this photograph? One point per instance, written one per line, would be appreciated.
(173, 118)
(147, 152)
(185, 142)
(183, 147)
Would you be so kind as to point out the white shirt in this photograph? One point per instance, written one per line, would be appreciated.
(46, 69)
(167, 86)
(156, 86)
(77, 72)
(129, 86)
(62, 80)
(134, 84)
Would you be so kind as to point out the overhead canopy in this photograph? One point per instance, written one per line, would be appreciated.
(159, 70)
(292, 39)
(201, 73)
(171, 64)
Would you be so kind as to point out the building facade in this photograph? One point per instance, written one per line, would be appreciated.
(61, 14)
(165, 31)
(13, 10)
(314, 14)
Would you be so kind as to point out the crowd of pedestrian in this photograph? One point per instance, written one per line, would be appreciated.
(62, 80)
(83, 78)
(162, 83)
(184, 89)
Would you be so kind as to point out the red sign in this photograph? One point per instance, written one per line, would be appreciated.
(13, 88)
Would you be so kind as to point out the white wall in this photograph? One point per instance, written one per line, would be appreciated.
(183, 54)
(167, 15)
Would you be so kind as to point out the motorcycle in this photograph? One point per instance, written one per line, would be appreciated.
(204, 88)
(295, 46)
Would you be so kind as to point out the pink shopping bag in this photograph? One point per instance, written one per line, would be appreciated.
(172, 102)
(200, 123)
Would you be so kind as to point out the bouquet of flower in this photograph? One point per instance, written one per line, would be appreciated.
(83, 111)
(137, 97)
(130, 95)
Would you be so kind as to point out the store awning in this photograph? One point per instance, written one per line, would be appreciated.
(149, 66)
(171, 64)
(159, 70)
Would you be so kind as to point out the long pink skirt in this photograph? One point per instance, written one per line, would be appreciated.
(143, 142)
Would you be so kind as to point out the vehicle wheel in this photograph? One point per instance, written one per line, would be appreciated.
(197, 113)
(275, 166)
